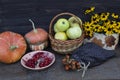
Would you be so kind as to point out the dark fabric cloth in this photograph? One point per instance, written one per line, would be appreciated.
(90, 52)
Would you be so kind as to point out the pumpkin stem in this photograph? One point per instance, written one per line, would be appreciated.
(13, 47)
(33, 25)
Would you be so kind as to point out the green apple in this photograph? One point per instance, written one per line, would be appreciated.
(62, 24)
(74, 32)
(55, 28)
(61, 36)
(75, 25)
(73, 20)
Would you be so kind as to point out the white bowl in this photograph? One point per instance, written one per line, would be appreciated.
(31, 54)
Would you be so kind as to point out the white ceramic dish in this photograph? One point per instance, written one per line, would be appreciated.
(30, 55)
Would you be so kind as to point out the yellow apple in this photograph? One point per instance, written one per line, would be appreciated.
(75, 25)
(61, 36)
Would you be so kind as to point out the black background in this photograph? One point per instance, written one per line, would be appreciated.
(14, 14)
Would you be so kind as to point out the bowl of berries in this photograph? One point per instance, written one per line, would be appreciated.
(38, 60)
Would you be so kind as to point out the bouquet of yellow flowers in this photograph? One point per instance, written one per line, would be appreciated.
(104, 22)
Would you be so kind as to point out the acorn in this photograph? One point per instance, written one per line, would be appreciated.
(70, 64)
(78, 65)
(67, 67)
(64, 61)
(73, 63)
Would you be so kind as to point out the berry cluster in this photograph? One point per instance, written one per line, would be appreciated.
(70, 64)
(39, 59)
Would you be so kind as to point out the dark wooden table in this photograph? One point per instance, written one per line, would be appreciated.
(14, 15)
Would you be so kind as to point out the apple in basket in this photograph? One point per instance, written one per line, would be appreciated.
(74, 20)
(74, 32)
(37, 38)
(61, 36)
(68, 29)
(62, 24)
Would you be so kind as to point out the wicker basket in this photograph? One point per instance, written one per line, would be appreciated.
(64, 47)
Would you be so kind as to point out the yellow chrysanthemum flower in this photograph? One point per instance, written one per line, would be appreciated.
(102, 23)
(117, 28)
(118, 31)
(107, 21)
(96, 28)
(96, 15)
(117, 24)
(89, 10)
(108, 30)
(103, 17)
(107, 14)
(114, 15)
(92, 8)
(112, 24)
(95, 18)
(89, 33)
(87, 26)
(88, 29)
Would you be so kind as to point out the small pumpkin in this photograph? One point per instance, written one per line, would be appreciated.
(12, 47)
(37, 38)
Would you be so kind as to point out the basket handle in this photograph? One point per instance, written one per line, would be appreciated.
(65, 13)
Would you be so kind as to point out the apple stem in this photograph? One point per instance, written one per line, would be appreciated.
(33, 25)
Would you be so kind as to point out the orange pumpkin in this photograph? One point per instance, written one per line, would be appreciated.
(35, 37)
(12, 47)
(38, 40)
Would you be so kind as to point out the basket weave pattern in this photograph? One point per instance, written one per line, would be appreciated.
(64, 47)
